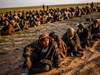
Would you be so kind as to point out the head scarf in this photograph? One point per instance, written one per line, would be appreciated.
(42, 38)
(95, 21)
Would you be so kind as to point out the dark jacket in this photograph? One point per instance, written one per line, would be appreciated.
(35, 50)
(62, 48)
(94, 30)
(74, 42)
(85, 35)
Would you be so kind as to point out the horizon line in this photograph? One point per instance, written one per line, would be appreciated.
(46, 5)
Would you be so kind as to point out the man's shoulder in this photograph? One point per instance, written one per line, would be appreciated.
(65, 34)
(54, 43)
(10, 25)
(33, 44)
(75, 34)
(86, 29)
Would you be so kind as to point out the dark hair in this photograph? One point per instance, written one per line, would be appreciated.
(6, 20)
(56, 38)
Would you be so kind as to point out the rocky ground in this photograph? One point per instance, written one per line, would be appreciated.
(11, 49)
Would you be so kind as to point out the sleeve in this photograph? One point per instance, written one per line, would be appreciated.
(63, 37)
(88, 34)
(75, 41)
(28, 50)
(72, 42)
(2, 30)
(57, 57)
(11, 29)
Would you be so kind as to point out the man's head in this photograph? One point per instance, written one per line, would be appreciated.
(35, 16)
(31, 18)
(55, 13)
(12, 22)
(95, 23)
(6, 12)
(64, 12)
(59, 13)
(6, 22)
(44, 40)
(49, 15)
(70, 31)
(81, 26)
(54, 37)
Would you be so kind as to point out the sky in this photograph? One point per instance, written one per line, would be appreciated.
(22, 3)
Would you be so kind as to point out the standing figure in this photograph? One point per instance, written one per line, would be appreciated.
(43, 7)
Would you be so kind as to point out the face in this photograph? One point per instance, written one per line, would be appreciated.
(45, 42)
(52, 39)
(6, 22)
(56, 13)
(95, 25)
(64, 11)
(69, 33)
(35, 17)
(31, 18)
(80, 28)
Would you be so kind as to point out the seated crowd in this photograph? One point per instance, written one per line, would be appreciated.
(49, 50)
(22, 20)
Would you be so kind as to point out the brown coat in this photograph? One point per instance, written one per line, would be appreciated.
(62, 48)
(7, 30)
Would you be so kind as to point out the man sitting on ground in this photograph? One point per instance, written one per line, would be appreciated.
(95, 29)
(7, 29)
(84, 35)
(42, 55)
(72, 40)
(32, 22)
(23, 25)
(61, 45)
(15, 25)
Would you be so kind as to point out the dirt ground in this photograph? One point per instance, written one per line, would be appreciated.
(11, 49)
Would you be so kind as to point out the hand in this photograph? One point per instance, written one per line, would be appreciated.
(75, 49)
(28, 63)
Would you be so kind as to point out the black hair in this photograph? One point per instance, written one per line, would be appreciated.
(56, 38)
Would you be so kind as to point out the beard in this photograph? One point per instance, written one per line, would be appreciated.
(81, 30)
(95, 25)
